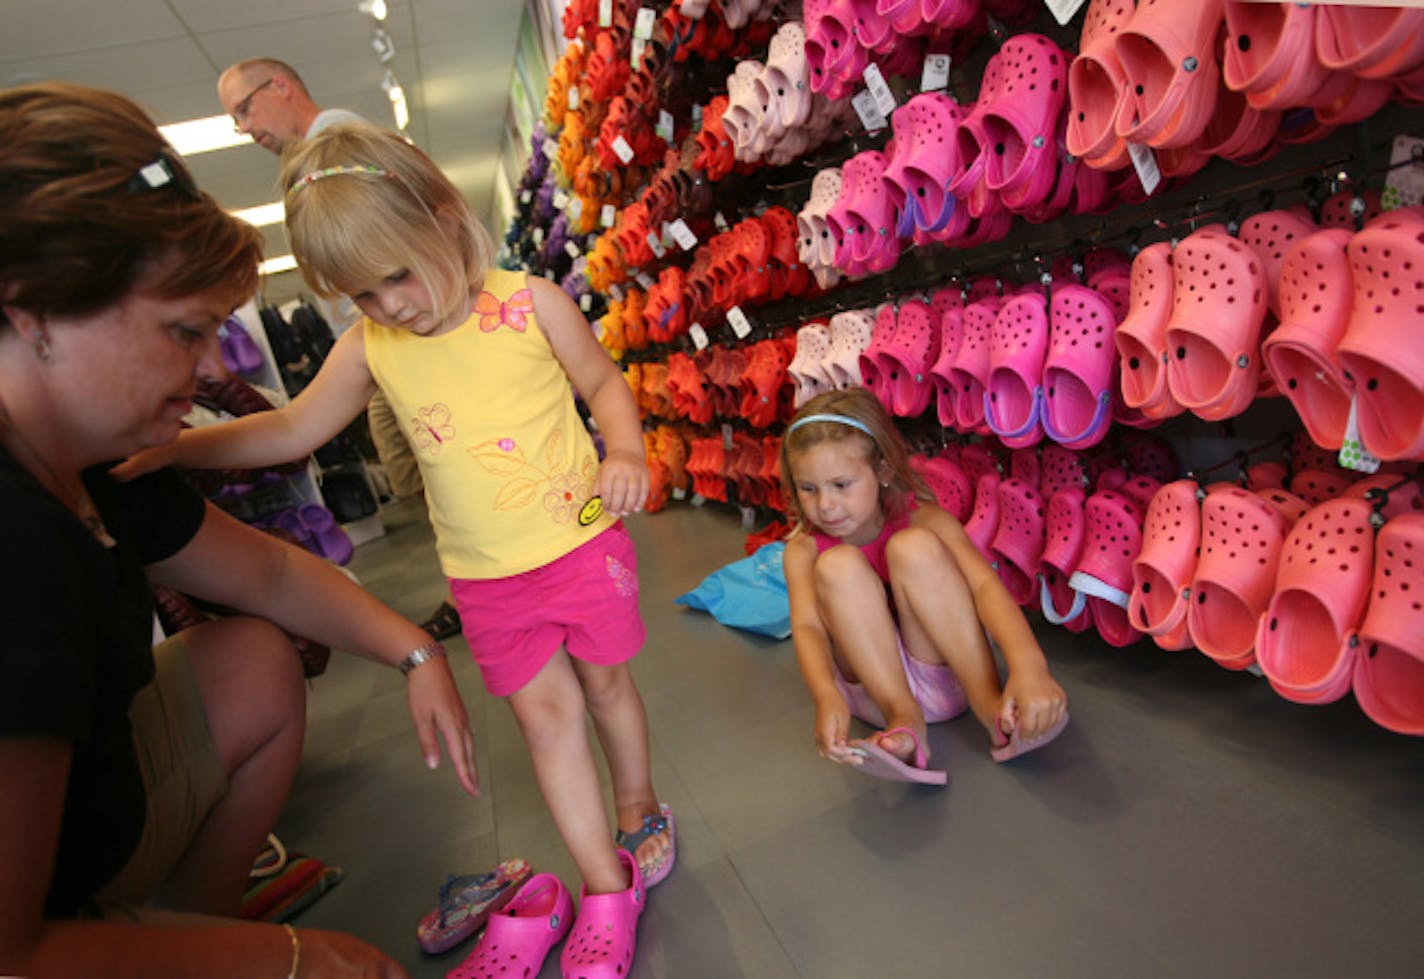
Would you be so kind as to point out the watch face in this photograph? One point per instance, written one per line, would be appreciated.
(591, 511)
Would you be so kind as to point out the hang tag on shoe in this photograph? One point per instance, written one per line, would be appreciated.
(635, 53)
(575, 208)
(571, 249)
(741, 326)
(727, 440)
(664, 128)
(699, 336)
(1063, 10)
(551, 148)
(605, 13)
(586, 302)
(573, 97)
(870, 115)
(683, 235)
(561, 200)
(935, 76)
(621, 149)
(879, 89)
(1353, 454)
(1145, 163)
(655, 243)
(608, 215)
(643, 23)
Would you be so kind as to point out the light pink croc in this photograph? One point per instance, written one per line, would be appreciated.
(1078, 371)
(1162, 572)
(1104, 572)
(912, 350)
(1141, 338)
(1380, 352)
(786, 83)
(519, 936)
(814, 243)
(1018, 343)
(1370, 41)
(1242, 537)
(1316, 298)
(850, 335)
(1096, 85)
(1018, 541)
(1389, 670)
(969, 372)
(1065, 528)
(1305, 643)
(605, 933)
(1219, 296)
(807, 370)
(1168, 53)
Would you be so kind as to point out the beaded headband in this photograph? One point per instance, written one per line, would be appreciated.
(837, 419)
(315, 175)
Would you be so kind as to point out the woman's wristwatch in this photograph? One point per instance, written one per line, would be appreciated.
(421, 654)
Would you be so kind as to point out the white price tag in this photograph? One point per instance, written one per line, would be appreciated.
(605, 13)
(1063, 10)
(586, 302)
(561, 200)
(538, 237)
(571, 249)
(664, 126)
(1145, 163)
(698, 499)
(876, 85)
(696, 117)
(741, 326)
(635, 53)
(935, 77)
(608, 215)
(656, 244)
(748, 517)
(615, 292)
(525, 196)
(643, 23)
(870, 115)
(678, 493)
(699, 336)
(575, 208)
(683, 235)
(727, 441)
(551, 148)
(621, 149)
(646, 281)
(573, 97)
(720, 221)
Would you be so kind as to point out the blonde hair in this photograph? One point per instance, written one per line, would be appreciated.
(884, 448)
(362, 203)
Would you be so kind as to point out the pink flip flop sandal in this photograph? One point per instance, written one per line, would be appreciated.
(1378, 351)
(1219, 295)
(1168, 53)
(1096, 85)
(1305, 642)
(651, 827)
(1242, 537)
(1018, 540)
(1018, 344)
(1064, 532)
(1017, 746)
(969, 372)
(519, 937)
(879, 763)
(1389, 670)
(1141, 338)
(605, 933)
(1162, 573)
(465, 904)
(983, 520)
(1104, 572)
(1316, 298)
(1078, 371)
(912, 349)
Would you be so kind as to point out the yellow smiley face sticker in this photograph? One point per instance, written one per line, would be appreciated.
(591, 511)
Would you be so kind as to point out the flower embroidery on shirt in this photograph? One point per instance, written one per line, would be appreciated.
(431, 428)
(524, 481)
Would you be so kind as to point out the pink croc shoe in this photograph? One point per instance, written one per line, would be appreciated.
(850, 336)
(1141, 338)
(983, 520)
(876, 364)
(605, 934)
(969, 373)
(950, 484)
(1162, 572)
(948, 303)
(1168, 53)
(1064, 531)
(807, 370)
(912, 351)
(1305, 640)
(1316, 298)
(1018, 541)
(1018, 344)
(1022, 118)
(1389, 671)
(1104, 573)
(1270, 53)
(1078, 371)
(517, 939)
(1096, 85)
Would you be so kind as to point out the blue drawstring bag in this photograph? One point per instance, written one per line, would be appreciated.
(748, 594)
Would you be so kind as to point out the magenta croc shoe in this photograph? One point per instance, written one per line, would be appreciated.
(1018, 541)
(1021, 120)
(518, 938)
(1018, 344)
(877, 367)
(951, 334)
(983, 520)
(1064, 531)
(969, 373)
(1316, 297)
(1078, 371)
(912, 350)
(950, 484)
(1389, 670)
(605, 934)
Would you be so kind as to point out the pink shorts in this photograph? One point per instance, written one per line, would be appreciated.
(933, 685)
(586, 602)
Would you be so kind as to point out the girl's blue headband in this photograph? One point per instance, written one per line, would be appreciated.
(836, 419)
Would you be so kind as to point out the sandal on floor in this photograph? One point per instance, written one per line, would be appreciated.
(882, 764)
(466, 902)
(604, 937)
(443, 623)
(656, 872)
(1017, 746)
(518, 938)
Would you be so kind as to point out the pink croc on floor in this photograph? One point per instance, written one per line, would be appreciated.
(605, 934)
(517, 939)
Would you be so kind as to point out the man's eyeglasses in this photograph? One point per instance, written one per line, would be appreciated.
(240, 111)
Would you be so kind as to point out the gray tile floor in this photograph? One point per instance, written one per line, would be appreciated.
(1188, 823)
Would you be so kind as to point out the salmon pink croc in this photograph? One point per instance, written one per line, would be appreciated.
(1141, 338)
(1064, 531)
(1162, 572)
(1104, 572)
(1017, 544)
(1389, 670)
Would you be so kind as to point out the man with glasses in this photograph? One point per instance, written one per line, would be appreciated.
(269, 102)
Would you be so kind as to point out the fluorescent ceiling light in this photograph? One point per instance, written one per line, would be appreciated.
(282, 263)
(203, 135)
(376, 8)
(263, 214)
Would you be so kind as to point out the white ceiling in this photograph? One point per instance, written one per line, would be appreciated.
(454, 59)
